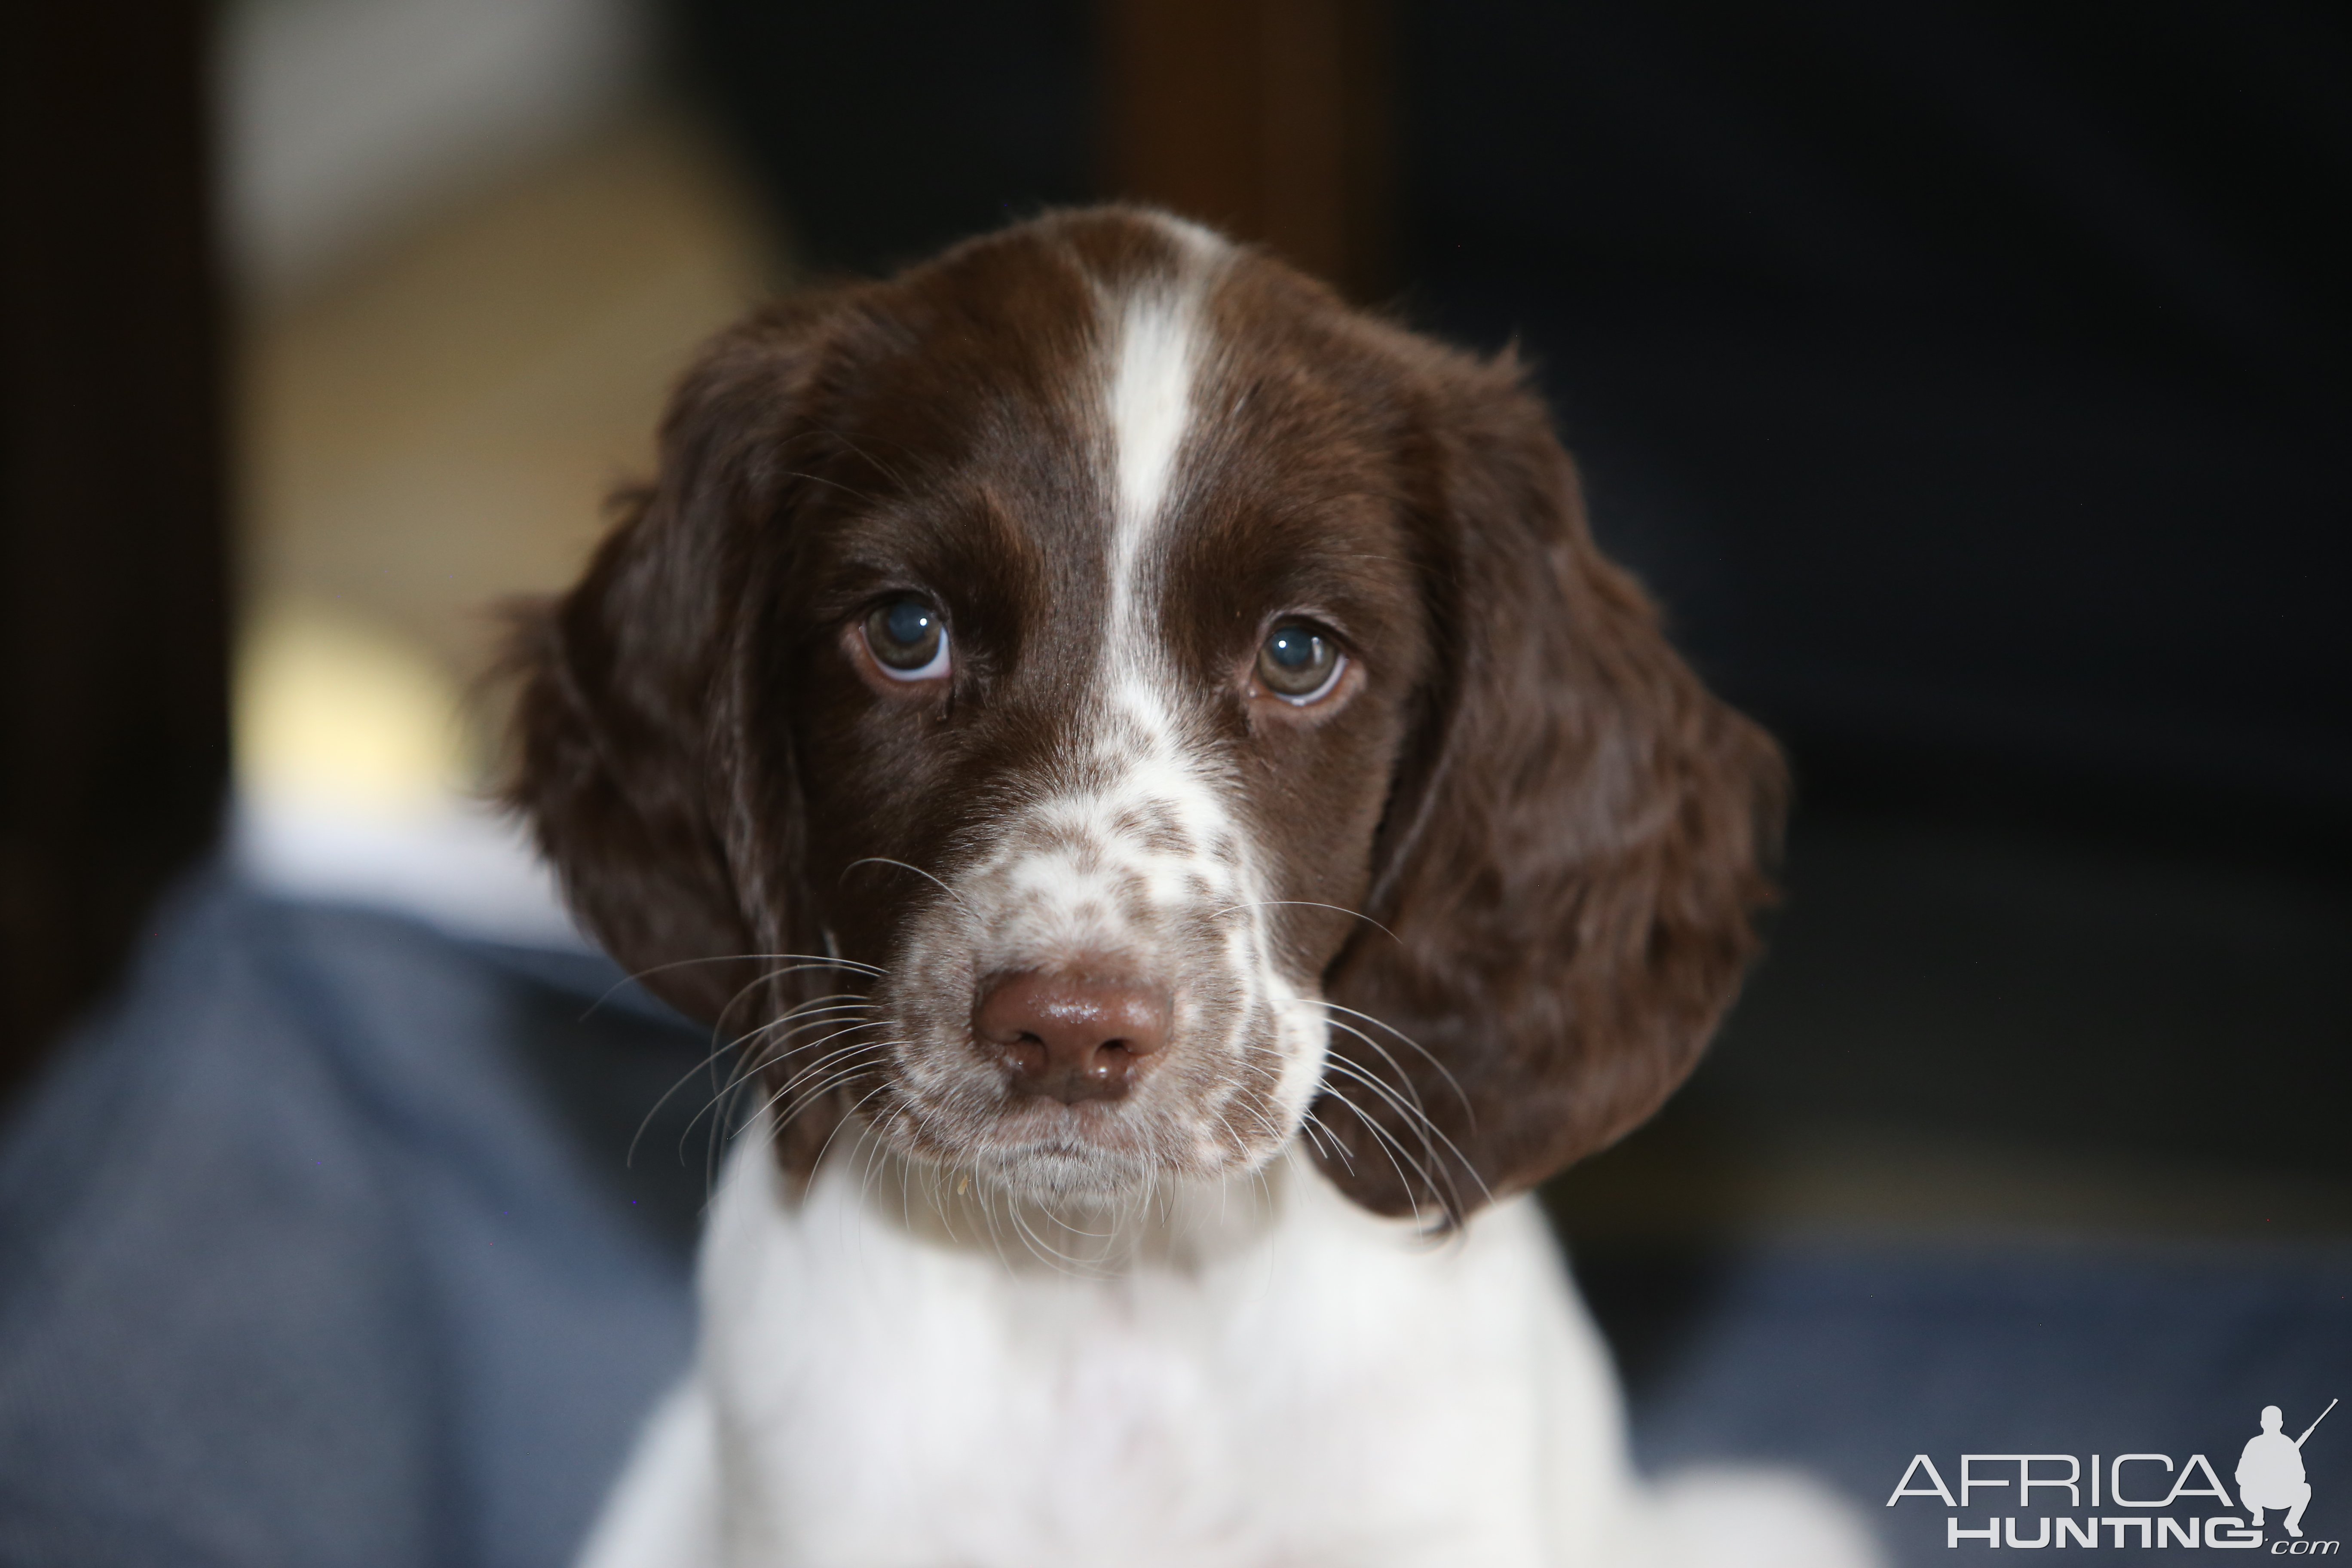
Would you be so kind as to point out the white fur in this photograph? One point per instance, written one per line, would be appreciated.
(1257, 1376)
(1150, 401)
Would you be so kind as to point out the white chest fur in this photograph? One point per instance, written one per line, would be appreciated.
(1272, 1376)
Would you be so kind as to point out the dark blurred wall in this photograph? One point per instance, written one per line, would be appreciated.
(886, 130)
(1972, 379)
(1973, 383)
(1272, 119)
(114, 679)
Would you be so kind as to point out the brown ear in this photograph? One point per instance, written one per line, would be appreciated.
(625, 760)
(1571, 859)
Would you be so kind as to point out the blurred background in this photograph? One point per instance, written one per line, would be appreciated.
(1971, 380)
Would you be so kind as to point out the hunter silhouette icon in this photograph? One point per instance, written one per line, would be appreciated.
(2269, 1472)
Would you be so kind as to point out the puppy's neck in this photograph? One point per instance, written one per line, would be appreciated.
(1173, 1225)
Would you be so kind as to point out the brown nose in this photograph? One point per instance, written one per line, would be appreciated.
(1070, 1036)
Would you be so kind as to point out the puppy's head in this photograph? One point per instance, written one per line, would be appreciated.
(1092, 708)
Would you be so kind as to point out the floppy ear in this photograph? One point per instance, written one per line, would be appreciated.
(1572, 854)
(624, 759)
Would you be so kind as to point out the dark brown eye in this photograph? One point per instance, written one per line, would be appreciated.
(908, 638)
(1297, 663)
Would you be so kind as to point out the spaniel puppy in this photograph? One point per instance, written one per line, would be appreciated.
(1185, 830)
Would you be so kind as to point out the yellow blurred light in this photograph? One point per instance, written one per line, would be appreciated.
(334, 712)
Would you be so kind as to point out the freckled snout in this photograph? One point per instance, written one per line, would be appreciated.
(1070, 1036)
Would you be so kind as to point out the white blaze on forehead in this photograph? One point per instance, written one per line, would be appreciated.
(1158, 342)
(1154, 355)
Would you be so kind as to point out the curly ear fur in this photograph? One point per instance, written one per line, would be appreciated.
(1571, 859)
(625, 761)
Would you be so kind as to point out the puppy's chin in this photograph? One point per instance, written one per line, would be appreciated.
(1086, 1159)
(1070, 1176)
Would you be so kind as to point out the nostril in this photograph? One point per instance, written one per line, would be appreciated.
(1070, 1036)
(1026, 1054)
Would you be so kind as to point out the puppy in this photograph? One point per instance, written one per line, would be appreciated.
(1186, 830)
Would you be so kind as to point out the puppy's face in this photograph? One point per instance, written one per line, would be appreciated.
(1095, 667)
(1104, 622)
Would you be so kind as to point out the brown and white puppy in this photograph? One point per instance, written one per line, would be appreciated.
(1155, 765)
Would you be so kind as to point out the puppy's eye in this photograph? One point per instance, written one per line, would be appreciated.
(908, 640)
(1297, 663)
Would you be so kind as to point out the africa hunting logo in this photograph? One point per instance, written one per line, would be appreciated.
(2270, 1477)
